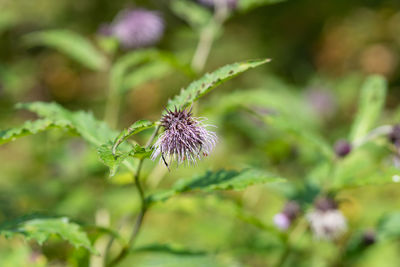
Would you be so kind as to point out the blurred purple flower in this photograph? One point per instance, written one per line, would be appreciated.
(284, 219)
(230, 3)
(321, 101)
(342, 148)
(185, 138)
(135, 28)
(326, 220)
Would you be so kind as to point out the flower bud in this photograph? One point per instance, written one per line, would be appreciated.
(368, 238)
(394, 136)
(342, 148)
(284, 219)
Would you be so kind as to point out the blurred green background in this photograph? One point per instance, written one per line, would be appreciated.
(321, 52)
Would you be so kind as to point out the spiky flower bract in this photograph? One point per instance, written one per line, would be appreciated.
(185, 138)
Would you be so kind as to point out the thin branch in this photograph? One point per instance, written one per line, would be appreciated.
(207, 35)
(143, 209)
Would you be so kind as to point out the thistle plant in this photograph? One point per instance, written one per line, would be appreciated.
(118, 202)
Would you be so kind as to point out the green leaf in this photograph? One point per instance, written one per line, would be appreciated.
(194, 14)
(110, 160)
(113, 161)
(71, 44)
(372, 100)
(93, 131)
(122, 68)
(135, 128)
(246, 5)
(388, 227)
(365, 166)
(30, 127)
(209, 81)
(147, 73)
(41, 228)
(220, 180)
(83, 123)
(299, 130)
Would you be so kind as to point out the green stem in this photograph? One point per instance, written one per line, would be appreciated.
(143, 209)
(207, 36)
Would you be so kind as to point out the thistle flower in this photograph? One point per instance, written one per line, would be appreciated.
(212, 3)
(185, 138)
(136, 28)
(326, 221)
(284, 219)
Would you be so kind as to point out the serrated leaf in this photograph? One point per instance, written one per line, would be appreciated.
(209, 81)
(113, 161)
(94, 131)
(372, 100)
(41, 228)
(194, 14)
(110, 160)
(71, 44)
(220, 180)
(135, 128)
(83, 123)
(388, 227)
(246, 5)
(121, 69)
(30, 127)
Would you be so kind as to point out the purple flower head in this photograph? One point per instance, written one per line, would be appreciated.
(136, 28)
(212, 3)
(185, 138)
(326, 220)
(342, 148)
(284, 219)
(322, 101)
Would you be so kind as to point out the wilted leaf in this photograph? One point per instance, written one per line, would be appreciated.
(372, 100)
(41, 228)
(211, 80)
(220, 180)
